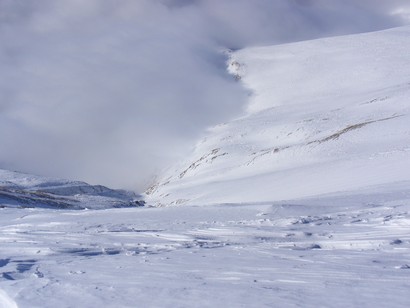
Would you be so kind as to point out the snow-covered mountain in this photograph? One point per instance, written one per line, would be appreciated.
(25, 190)
(327, 124)
(325, 116)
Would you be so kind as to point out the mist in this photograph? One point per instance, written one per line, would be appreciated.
(111, 92)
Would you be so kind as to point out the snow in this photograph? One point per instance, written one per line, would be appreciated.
(6, 301)
(302, 202)
(336, 251)
(326, 115)
(25, 190)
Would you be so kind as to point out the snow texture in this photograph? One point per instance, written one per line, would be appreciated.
(348, 250)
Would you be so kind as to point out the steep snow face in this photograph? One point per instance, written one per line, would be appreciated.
(25, 190)
(324, 116)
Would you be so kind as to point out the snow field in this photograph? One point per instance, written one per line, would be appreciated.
(335, 251)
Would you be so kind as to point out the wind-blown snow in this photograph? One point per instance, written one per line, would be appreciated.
(326, 115)
(343, 250)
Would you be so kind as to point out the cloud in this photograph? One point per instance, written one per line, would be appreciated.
(113, 91)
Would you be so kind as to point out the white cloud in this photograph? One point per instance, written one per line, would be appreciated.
(112, 91)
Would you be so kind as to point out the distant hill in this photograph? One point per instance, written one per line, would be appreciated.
(25, 190)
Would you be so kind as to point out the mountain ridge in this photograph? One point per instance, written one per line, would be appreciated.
(27, 191)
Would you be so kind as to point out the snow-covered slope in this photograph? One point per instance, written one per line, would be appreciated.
(25, 190)
(324, 116)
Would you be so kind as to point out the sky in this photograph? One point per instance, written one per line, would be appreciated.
(114, 91)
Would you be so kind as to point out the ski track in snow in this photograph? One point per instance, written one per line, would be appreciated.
(307, 253)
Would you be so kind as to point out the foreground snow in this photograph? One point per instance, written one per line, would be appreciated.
(351, 249)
